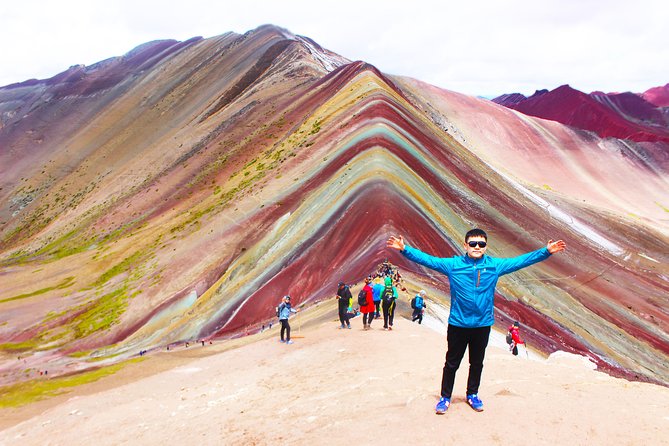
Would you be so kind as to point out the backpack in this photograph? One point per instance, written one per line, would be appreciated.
(509, 338)
(417, 303)
(362, 298)
(278, 310)
(387, 295)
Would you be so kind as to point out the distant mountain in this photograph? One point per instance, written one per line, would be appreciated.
(177, 192)
(658, 96)
(617, 115)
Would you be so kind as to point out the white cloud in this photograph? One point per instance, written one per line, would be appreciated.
(485, 47)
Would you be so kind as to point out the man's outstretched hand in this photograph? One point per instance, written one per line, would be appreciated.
(395, 243)
(554, 247)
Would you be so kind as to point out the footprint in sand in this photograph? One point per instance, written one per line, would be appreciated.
(506, 392)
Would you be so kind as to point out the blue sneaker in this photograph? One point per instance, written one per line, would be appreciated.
(442, 405)
(475, 402)
(281, 340)
(289, 342)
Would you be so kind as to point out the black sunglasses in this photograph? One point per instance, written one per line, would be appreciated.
(481, 244)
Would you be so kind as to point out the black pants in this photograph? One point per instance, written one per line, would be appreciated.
(378, 308)
(285, 327)
(459, 339)
(367, 318)
(343, 316)
(417, 315)
(388, 313)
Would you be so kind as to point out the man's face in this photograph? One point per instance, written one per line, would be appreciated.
(476, 251)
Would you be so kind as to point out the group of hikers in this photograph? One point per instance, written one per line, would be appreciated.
(378, 296)
(472, 277)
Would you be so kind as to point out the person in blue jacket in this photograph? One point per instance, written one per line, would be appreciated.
(376, 296)
(472, 277)
(284, 311)
(418, 305)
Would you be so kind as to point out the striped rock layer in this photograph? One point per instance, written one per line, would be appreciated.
(177, 192)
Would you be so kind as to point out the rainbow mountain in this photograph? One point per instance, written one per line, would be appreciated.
(177, 192)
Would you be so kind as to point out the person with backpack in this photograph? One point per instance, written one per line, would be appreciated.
(473, 278)
(388, 301)
(376, 295)
(283, 312)
(418, 305)
(345, 301)
(514, 336)
(366, 303)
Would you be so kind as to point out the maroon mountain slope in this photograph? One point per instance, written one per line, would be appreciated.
(658, 96)
(623, 116)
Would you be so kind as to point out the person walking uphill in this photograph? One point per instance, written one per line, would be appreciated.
(284, 311)
(368, 309)
(388, 302)
(472, 277)
(514, 330)
(418, 305)
(377, 289)
(344, 299)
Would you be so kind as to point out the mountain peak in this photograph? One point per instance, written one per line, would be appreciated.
(619, 115)
(658, 96)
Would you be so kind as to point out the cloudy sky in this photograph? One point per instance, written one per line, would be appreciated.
(477, 47)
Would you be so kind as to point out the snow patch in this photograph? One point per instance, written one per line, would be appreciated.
(565, 218)
(565, 358)
(329, 62)
(648, 258)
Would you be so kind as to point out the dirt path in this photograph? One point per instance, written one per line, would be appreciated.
(351, 386)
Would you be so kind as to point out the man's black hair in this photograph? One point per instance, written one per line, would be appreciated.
(476, 233)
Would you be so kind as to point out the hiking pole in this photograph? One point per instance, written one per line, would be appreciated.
(299, 326)
(526, 354)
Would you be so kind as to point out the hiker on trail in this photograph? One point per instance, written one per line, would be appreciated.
(376, 295)
(385, 269)
(514, 330)
(388, 303)
(367, 309)
(344, 299)
(418, 305)
(284, 311)
(472, 277)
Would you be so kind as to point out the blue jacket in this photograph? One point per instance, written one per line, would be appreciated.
(376, 292)
(418, 302)
(473, 282)
(285, 310)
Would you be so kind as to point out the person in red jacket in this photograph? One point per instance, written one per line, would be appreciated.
(515, 338)
(369, 310)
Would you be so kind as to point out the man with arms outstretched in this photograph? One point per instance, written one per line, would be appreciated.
(473, 277)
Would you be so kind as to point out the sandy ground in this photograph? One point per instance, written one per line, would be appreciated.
(343, 387)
